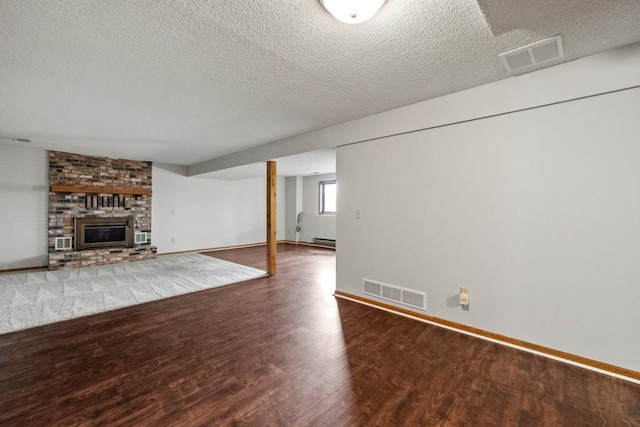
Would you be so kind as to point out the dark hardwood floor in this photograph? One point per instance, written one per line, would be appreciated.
(283, 351)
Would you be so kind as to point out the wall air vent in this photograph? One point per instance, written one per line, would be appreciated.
(397, 294)
(140, 238)
(63, 243)
(324, 242)
(532, 55)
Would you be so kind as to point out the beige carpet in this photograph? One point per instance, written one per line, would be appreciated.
(37, 298)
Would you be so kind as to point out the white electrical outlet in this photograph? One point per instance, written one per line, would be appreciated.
(173, 240)
(358, 215)
(463, 297)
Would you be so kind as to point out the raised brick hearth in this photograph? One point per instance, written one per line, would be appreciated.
(75, 259)
(97, 187)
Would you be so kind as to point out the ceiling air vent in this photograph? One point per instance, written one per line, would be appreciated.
(531, 55)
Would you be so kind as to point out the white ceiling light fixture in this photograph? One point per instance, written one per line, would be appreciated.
(352, 11)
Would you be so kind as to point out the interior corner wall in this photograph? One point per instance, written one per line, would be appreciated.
(195, 213)
(536, 212)
(281, 211)
(24, 193)
(293, 189)
(313, 224)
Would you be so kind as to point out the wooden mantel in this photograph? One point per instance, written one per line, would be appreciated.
(98, 190)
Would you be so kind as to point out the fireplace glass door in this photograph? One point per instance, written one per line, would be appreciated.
(94, 233)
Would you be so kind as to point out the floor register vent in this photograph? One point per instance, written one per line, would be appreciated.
(397, 294)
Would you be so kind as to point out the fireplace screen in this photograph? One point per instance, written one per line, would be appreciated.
(103, 234)
(94, 233)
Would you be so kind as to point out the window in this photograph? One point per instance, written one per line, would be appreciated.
(328, 197)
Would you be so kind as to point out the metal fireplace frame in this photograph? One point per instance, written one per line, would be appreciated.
(80, 224)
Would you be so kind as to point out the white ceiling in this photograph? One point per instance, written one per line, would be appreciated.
(183, 81)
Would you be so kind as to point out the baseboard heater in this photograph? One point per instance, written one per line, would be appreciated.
(324, 242)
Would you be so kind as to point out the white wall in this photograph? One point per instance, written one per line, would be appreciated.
(293, 185)
(537, 213)
(313, 224)
(205, 213)
(24, 178)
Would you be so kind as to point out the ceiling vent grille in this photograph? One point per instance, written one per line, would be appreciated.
(397, 294)
(532, 55)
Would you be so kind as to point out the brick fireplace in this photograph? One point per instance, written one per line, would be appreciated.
(98, 204)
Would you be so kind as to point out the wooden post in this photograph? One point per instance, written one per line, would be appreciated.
(271, 218)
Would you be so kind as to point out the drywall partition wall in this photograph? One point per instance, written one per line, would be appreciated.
(293, 198)
(194, 213)
(281, 194)
(536, 212)
(23, 215)
(313, 224)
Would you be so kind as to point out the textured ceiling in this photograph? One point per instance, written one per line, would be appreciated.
(184, 81)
